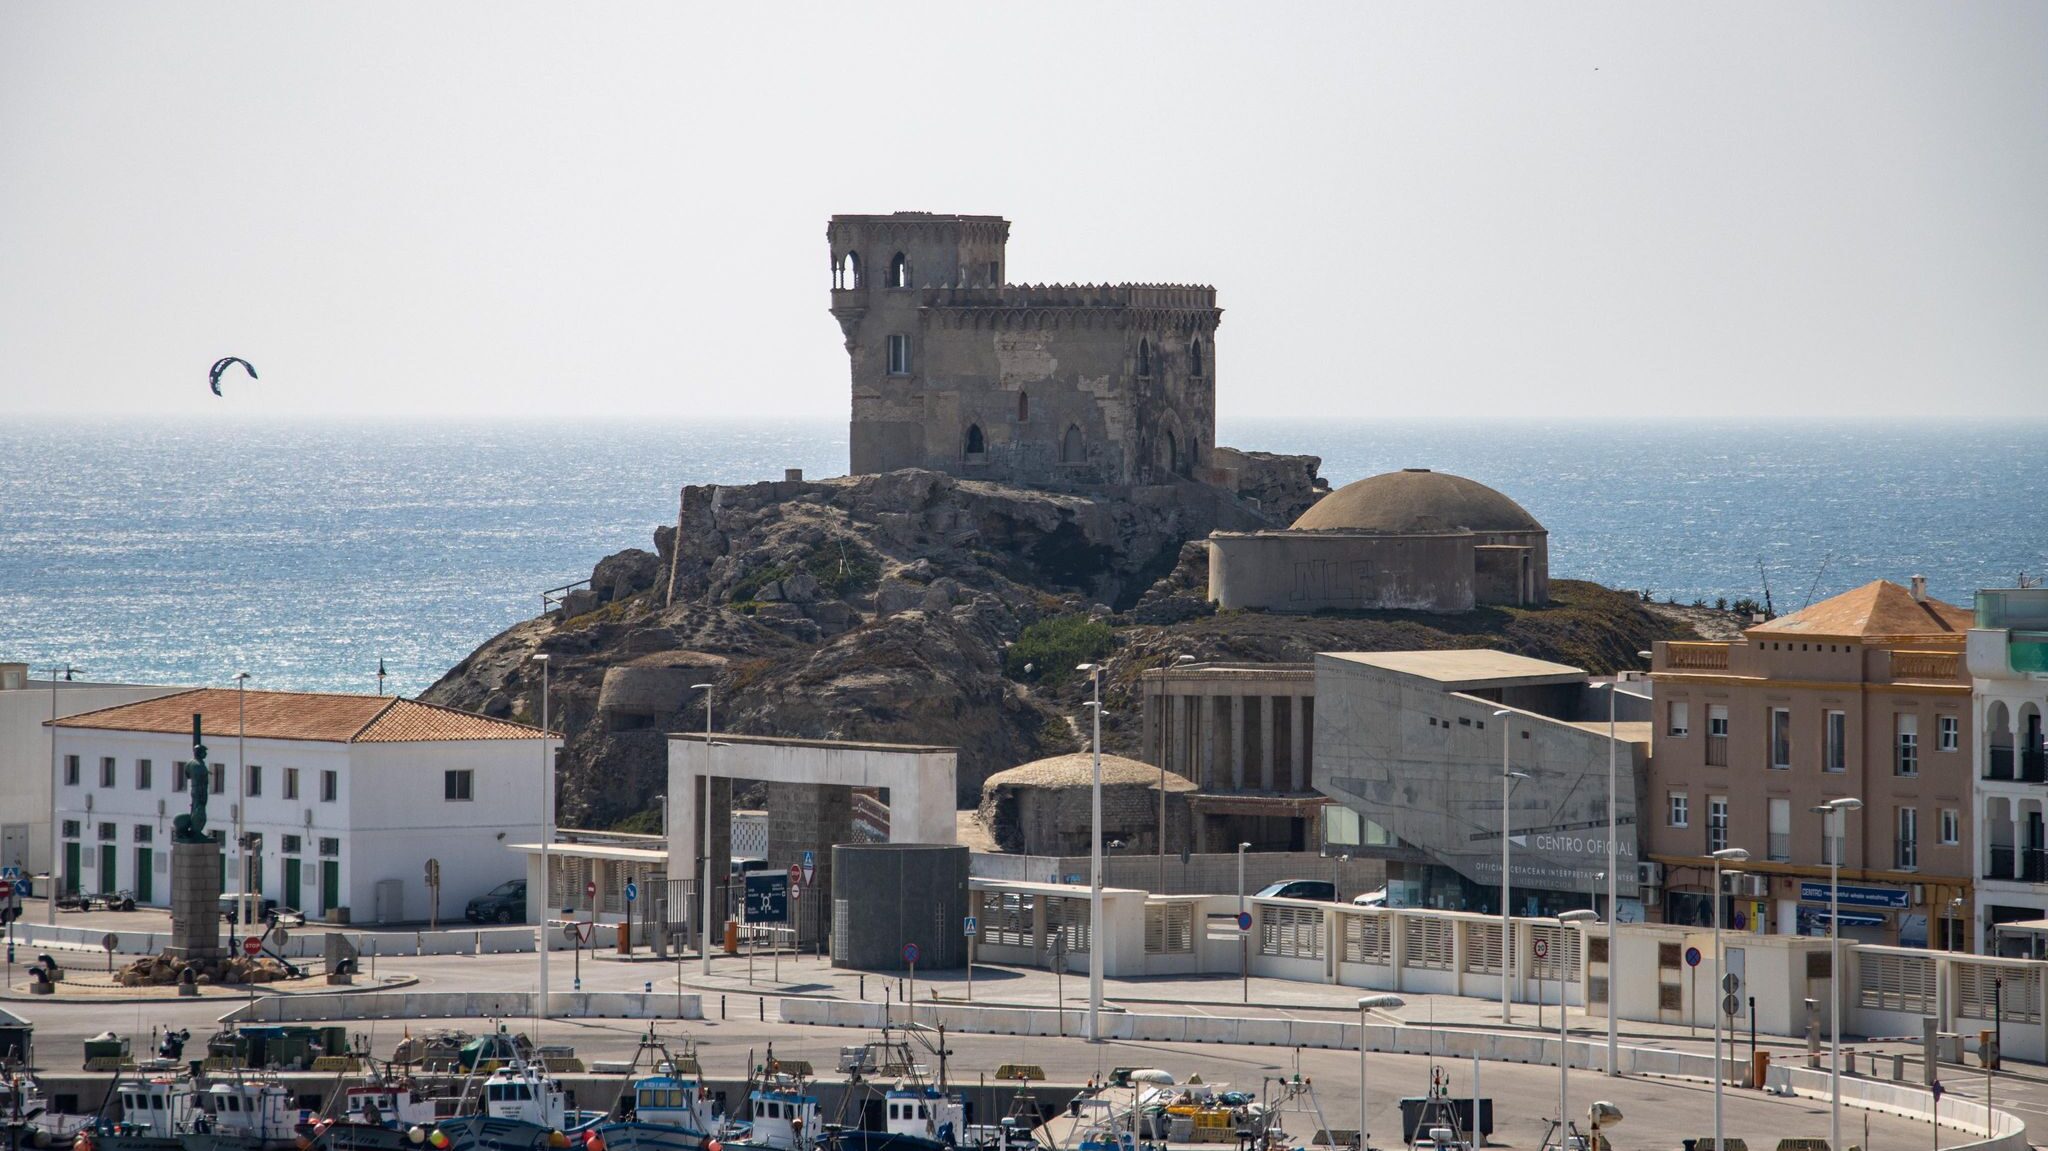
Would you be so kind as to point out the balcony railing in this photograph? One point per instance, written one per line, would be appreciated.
(1696, 656)
(1717, 751)
(2027, 864)
(2029, 765)
(1998, 763)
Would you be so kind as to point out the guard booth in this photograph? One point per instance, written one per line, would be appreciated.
(17, 1040)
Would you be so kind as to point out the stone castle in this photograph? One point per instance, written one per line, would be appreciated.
(1057, 385)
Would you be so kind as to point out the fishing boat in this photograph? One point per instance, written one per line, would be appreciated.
(25, 1116)
(382, 1114)
(175, 1113)
(782, 1112)
(523, 1109)
(667, 1110)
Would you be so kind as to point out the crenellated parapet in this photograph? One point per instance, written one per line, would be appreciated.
(1164, 307)
(906, 227)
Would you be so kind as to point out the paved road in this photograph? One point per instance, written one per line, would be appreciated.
(1660, 1112)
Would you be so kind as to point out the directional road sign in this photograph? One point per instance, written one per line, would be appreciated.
(767, 897)
(252, 946)
(632, 891)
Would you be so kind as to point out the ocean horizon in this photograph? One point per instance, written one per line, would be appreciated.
(305, 550)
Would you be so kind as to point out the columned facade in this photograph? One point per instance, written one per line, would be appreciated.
(2010, 684)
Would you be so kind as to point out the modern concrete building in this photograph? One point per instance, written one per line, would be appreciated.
(957, 370)
(26, 704)
(1245, 735)
(1863, 695)
(346, 798)
(1414, 743)
(2008, 660)
(1414, 539)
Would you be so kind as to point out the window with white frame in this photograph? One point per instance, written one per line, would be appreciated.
(899, 355)
(1908, 727)
(456, 785)
(1677, 810)
(1951, 827)
(1906, 854)
(219, 779)
(1679, 720)
(1949, 733)
(291, 783)
(70, 771)
(106, 771)
(1781, 738)
(255, 781)
(1834, 752)
(1717, 822)
(330, 786)
(1781, 830)
(1717, 735)
(144, 775)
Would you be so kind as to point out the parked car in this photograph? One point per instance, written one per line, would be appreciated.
(1318, 889)
(1377, 897)
(505, 903)
(265, 909)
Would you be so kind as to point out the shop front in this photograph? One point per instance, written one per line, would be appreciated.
(1871, 913)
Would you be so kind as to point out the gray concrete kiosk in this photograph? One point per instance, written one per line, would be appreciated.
(885, 895)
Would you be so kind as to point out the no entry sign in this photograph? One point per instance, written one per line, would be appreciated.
(6, 889)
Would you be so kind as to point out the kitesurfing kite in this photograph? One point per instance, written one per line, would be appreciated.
(221, 365)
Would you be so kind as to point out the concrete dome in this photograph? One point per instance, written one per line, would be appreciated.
(1078, 770)
(1416, 500)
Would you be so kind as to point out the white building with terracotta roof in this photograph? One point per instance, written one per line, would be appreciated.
(347, 798)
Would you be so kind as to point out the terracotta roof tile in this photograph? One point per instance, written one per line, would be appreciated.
(1879, 609)
(327, 717)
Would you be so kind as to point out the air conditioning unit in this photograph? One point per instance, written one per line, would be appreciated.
(1757, 885)
(1649, 874)
(1919, 895)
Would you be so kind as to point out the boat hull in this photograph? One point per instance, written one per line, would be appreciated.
(634, 1136)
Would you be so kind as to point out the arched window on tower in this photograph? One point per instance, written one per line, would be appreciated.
(1144, 357)
(1070, 445)
(899, 272)
(1171, 450)
(1195, 356)
(1023, 407)
(977, 445)
(846, 273)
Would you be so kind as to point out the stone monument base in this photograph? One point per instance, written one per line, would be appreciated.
(195, 901)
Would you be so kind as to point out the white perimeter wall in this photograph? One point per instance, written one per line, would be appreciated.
(400, 818)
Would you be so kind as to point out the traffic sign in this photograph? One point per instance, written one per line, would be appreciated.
(767, 898)
(1692, 957)
(632, 891)
(1731, 1005)
(1244, 921)
(796, 891)
(252, 946)
(110, 941)
(1731, 983)
(970, 927)
(1938, 1090)
(6, 889)
(582, 930)
(590, 889)
(1543, 949)
(278, 936)
(796, 873)
(810, 866)
(910, 953)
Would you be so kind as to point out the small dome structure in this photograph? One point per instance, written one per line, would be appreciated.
(1416, 501)
(1042, 807)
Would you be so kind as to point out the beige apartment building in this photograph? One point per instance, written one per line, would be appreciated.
(1867, 695)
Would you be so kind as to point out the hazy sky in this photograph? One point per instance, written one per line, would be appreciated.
(1417, 210)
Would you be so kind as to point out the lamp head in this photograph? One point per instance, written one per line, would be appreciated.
(1846, 803)
(1500, 711)
(1243, 847)
(1377, 1002)
(1579, 915)
(700, 687)
(1646, 655)
(1087, 667)
(1517, 775)
(1183, 659)
(1732, 855)
(241, 675)
(539, 657)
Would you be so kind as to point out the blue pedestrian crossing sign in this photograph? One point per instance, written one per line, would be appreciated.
(810, 866)
(632, 891)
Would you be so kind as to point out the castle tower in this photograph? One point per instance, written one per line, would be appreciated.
(1060, 385)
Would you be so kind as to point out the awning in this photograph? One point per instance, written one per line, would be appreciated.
(1849, 918)
(2036, 926)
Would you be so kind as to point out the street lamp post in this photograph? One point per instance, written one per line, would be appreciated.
(704, 841)
(1165, 753)
(1579, 917)
(1725, 855)
(1507, 926)
(242, 801)
(1840, 809)
(547, 790)
(56, 844)
(1094, 671)
(1365, 1004)
(1244, 937)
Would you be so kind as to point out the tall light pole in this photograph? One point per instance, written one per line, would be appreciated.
(242, 801)
(1579, 917)
(1165, 753)
(1725, 855)
(1507, 927)
(1365, 1004)
(547, 832)
(1094, 671)
(56, 845)
(1244, 937)
(704, 842)
(1840, 809)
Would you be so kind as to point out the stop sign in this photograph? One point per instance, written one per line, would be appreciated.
(6, 889)
(252, 946)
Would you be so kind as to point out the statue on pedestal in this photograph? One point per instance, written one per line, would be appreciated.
(191, 827)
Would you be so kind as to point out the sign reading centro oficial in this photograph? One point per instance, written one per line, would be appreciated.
(1898, 899)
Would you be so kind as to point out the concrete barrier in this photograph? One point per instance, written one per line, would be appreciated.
(464, 1005)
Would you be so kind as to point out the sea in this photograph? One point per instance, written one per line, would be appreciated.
(310, 553)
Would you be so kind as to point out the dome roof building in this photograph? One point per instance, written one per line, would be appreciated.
(1415, 539)
(1042, 807)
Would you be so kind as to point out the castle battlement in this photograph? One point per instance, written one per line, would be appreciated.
(1159, 296)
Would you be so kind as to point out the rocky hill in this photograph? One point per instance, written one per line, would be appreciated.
(916, 607)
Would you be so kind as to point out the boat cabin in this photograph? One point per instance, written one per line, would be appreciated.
(924, 1112)
(784, 1119)
(162, 1108)
(525, 1093)
(392, 1105)
(666, 1099)
(255, 1110)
